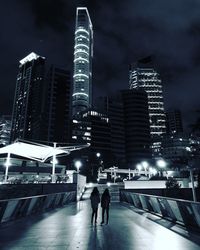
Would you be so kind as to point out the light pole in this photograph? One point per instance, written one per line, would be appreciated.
(161, 164)
(78, 164)
(188, 149)
(139, 168)
(98, 155)
(145, 165)
(54, 162)
(7, 164)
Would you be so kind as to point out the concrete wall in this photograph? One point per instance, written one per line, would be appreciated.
(10, 191)
(144, 184)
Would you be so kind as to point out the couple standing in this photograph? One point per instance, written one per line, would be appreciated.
(105, 201)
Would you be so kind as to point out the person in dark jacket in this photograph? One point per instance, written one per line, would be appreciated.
(95, 200)
(105, 202)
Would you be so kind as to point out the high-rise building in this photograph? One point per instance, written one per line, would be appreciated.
(174, 121)
(94, 128)
(113, 107)
(143, 75)
(56, 110)
(26, 116)
(136, 124)
(83, 53)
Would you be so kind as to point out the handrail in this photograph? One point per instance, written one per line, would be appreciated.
(35, 196)
(179, 211)
(162, 197)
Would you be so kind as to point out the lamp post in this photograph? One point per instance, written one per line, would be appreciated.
(54, 162)
(161, 164)
(188, 149)
(7, 164)
(139, 168)
(78, 164)
(145, 165)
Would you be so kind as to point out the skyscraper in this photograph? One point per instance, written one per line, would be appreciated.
(56, 110)
(136, 124)
(143, 75)
(83, 53)
(174, 121)
(26, 116)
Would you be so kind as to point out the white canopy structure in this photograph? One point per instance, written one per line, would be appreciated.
(37, 152)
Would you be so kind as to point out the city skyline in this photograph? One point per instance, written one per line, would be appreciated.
(124, 33)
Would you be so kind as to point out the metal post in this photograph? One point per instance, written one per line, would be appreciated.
(114, 174)
(7, 166)
(54, 164)
(193, 188)
(129, 174)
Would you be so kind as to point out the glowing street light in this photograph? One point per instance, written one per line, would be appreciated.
(145, 164)
(139, 167)
(161, 163)
(98, 154)
(78, 164)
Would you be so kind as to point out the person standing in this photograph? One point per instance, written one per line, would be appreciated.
(105, 202)
(95, 200)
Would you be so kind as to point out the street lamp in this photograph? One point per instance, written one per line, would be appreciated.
(188, 149)
(98, 154)
(145, 165)
(7, 164)
(78, 164)
(54, 162)
(139, 167)
(161, 164)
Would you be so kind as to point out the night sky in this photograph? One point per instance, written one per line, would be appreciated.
(124, 31)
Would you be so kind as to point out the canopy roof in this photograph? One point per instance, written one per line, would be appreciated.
(37, 152)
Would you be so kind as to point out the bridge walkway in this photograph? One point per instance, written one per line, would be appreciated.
(69, 228)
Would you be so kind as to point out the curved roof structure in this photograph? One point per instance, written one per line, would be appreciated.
(38, 152)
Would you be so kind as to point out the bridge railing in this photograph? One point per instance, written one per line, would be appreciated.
(186, 213)
(13, 209)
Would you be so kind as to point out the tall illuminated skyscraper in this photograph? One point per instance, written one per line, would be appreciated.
(143, 75)
(26, 116)
(83, 53)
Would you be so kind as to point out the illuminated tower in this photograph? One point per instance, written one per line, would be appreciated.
(83, 53)
(26, 116)
(143, 75)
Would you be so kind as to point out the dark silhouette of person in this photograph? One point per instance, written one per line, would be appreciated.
(105, 202)
(95, 200)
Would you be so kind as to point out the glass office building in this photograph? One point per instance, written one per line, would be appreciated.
(83, 53)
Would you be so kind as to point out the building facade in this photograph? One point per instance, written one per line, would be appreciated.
(113, 107)
(56, 110)
(83, 53)
(26, 115)
(143, 75)
(137, 127)
(174, 122)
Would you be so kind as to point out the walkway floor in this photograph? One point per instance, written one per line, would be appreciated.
(70, 228)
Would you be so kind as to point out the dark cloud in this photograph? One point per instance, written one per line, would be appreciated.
(124, 31)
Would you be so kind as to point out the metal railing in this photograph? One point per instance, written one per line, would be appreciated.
(186, 213)
(13, 209)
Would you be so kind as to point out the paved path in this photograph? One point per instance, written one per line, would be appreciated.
(70, 228)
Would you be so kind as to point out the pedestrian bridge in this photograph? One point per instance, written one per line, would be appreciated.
(70, 228)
